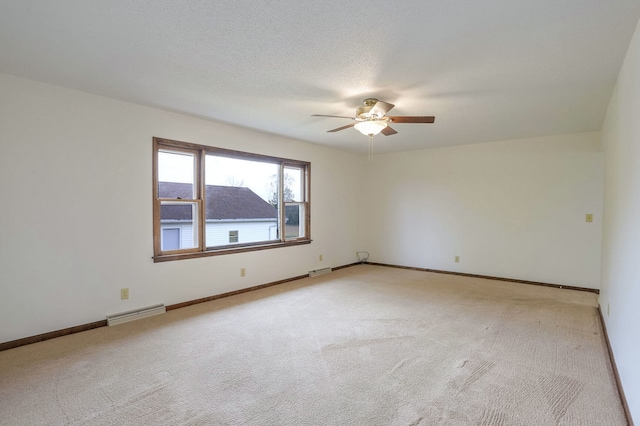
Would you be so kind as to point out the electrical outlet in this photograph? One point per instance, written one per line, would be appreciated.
(457, 260)
(589, 217)
(242, 272)
(320, 258)
(124, 293)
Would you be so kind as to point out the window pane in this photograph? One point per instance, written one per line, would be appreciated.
(293, 184)
(178, 221)
(170, 238)
(176, 175)
(241, 195)
(294, 220)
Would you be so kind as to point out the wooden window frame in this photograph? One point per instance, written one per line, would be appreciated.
(200, 249)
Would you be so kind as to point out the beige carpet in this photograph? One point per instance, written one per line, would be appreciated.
(365, 345)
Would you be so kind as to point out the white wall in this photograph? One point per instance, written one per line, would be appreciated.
(620, 297)
(512, 209)
(76, 212)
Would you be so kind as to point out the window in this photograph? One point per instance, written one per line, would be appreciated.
(210, 201)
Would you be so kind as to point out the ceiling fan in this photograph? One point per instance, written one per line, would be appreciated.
(371, 118)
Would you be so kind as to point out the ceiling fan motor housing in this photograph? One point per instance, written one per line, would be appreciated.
(363, 111)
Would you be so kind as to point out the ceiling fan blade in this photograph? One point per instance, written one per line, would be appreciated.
(381, 108)
(411, 119)
(335, 116)
(388, 131)
(342, 128)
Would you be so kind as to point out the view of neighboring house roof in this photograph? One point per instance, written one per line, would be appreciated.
(223, 202)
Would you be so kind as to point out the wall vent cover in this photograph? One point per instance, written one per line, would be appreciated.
(135, 315)
(319, 272)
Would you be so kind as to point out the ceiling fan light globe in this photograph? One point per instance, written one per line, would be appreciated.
(370, 127)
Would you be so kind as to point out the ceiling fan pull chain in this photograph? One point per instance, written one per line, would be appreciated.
(371, 148)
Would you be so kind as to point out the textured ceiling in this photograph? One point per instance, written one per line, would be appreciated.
(488, 70)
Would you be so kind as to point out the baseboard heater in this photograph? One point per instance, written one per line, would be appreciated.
(136, 314)
(319, 272)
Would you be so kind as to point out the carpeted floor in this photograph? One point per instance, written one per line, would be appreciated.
(365, 345)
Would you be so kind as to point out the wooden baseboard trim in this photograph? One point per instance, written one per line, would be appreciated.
(103, 323)
(233, 293)
(488, 277)
(246, 290)
(51, 335)
(623, 398)
(349, 265)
